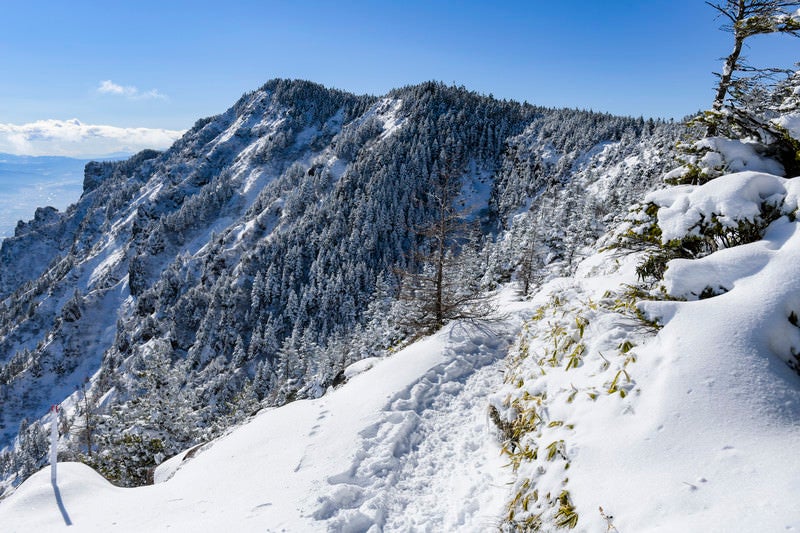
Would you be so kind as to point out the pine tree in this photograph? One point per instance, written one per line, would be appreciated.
(433, 292)
(86, 424)
(746, 19)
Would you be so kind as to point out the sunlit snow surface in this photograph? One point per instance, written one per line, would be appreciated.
(706, 437)
(705, 440)
(404, 445)
(30, 182)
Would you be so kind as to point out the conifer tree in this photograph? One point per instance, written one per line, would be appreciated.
(434, 292)
(745, 19)
(86, 424)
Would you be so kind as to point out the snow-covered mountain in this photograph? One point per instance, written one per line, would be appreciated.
(251, 262)
(256, 264)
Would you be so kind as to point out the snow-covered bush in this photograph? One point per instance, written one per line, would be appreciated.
(712, 157)
(757, 131)
(689, 222)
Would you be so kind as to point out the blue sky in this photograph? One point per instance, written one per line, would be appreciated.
(162, 65)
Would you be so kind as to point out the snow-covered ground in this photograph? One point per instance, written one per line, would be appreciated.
(691, 428)
(403, 446)
(694, 427)
(629, 428)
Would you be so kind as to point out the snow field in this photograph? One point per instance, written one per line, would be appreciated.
(606, 425)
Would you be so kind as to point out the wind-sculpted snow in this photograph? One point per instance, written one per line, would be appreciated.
(620, 425)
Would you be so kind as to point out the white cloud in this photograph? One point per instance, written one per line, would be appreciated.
(109, 87)
(128, 91)
(75, 139)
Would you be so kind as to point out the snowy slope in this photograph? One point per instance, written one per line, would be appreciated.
(267, 230)
(584, 407)
(692, 428)
(405, 445)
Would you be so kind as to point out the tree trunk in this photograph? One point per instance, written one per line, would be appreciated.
(727, 73)
(88, 426)
(730, 65)
(439, 304)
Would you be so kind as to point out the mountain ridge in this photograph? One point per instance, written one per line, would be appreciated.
(250, 262)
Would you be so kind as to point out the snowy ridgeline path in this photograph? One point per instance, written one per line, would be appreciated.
(404, 446)
(428, 463)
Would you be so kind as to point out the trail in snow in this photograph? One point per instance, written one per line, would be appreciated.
(403, 446)
(429, 463)
(451, 479)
